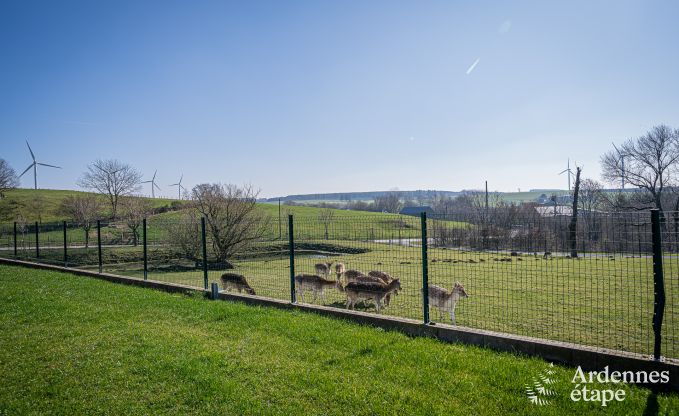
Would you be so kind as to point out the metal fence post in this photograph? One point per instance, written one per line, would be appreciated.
(99, 245)
(658, 283)
(37, 241)
(146, 265)
(65, 247)
(15, 239)
(425, 269)
(204, 242)
(291, 247)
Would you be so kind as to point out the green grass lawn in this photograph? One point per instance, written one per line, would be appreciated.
(75, 345)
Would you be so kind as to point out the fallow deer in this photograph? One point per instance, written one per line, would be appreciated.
(445, 300)
(234, 281)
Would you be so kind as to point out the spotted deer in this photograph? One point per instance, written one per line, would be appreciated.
(375, 291)
(234, 281)
(446, 300)
(315, 284)
(323, 269)
(339, 270)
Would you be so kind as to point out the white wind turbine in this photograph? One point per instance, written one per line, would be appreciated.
(34, 165)
(569, 173)
(153, 184)
(179, 186)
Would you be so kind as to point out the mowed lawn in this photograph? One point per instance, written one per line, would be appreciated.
(75, 345)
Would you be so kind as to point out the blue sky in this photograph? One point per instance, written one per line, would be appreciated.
(307, 97)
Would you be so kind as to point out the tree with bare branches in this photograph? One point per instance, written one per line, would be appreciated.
(325, 216)
(232, 219)
(648, 162)
(573, 225)
(134, 210)
(83, 210)
(112, 178)
(8, 178)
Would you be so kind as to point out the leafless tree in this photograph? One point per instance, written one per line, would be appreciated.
(232, 219)
(83, 210)
(389, 202)
(185, 236)
(134, 210)
(325, 216)
(112, 178)
(591, 199)
(8, 178)
(648, 162)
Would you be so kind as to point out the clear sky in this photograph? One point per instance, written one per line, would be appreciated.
(321, 96)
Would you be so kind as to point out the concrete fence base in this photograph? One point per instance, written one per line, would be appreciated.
(589, 358)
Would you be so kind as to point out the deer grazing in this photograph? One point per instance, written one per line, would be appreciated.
(315, 284)
(445, 300)
(376, 291)
(323, 269)
(339, 270)
(234, 281)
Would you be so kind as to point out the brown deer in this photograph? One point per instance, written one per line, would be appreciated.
(234, 281)
(316, 284)
(376, 291)
(339, 270)
(323, 269)
(445, 300)
(386, 278)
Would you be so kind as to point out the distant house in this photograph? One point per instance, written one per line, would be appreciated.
(554, 210)
(416, 211)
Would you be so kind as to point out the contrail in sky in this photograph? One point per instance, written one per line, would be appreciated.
(471, 68)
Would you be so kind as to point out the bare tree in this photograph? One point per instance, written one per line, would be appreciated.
(233, 221)
(111, 178)
(134, 210)
(83, 210)
(185, 236)
(590, 199)
(647, 162)
(325, 216)
(389, 202)
(8, 178)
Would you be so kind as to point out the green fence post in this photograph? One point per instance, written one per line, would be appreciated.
(291, 247)
(425, 269)
(146, 265)
(37, 241)
(204, 241)
(658, 283)
(15, 239)
(99, 245)
(65, 247)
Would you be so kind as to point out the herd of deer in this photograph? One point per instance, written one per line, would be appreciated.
(377, 286)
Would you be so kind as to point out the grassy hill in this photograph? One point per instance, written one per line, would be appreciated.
(31, 201)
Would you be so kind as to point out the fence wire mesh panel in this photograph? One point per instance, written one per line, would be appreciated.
(541, 275)
(353, 255)
(174, 251)
(81, 245)
(121, 248)
(7, 240)
(670, 245)
(258, 264)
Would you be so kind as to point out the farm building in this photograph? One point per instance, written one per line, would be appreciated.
(416, 210)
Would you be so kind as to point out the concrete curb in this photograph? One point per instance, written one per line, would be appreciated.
(589, 358)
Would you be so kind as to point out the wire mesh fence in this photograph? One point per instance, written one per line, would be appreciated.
(589, 282)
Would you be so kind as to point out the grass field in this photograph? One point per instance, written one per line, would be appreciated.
(73, 345)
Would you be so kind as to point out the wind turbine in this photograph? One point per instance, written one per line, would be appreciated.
(622, 165)
(153, 184)
(34, 165)
(179, 186)
(569, 173)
